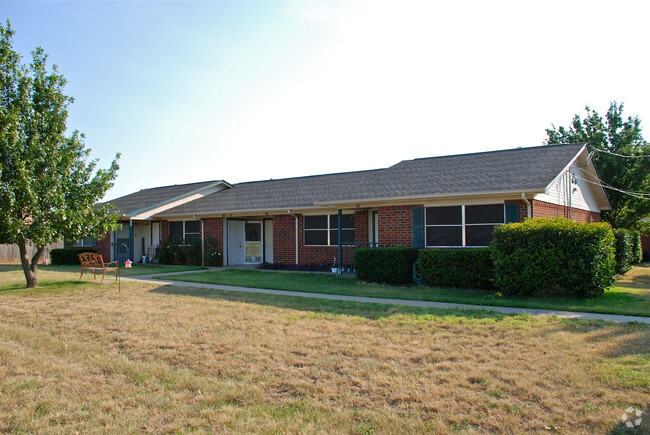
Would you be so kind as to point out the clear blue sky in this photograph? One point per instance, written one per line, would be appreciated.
(249, 90)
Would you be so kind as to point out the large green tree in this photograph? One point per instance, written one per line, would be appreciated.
(48, 186)
(622, 158)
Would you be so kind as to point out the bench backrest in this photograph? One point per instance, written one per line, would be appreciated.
(91, 259)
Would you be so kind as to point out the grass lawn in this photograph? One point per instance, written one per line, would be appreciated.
(630, 295)
(137, 269)
(81, 357)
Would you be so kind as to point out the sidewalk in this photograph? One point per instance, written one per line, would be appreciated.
(412, 303)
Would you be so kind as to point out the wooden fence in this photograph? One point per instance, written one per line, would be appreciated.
(11, 253)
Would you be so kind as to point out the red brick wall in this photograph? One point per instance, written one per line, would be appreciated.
(361, 226)
(164, 230)
(284, 240)
(213, 228)
(545, 209)
(104, 248)
(395, 225)
(284, 236)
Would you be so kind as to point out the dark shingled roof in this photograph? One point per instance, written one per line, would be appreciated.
(521, 169)
(149, 197)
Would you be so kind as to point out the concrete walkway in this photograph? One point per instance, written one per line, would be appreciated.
(411, 303)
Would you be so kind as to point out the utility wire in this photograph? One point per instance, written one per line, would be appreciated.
(639, 195)
(621, 155)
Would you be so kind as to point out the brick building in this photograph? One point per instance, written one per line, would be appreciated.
(449, 201)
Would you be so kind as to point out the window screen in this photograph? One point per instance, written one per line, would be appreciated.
(192, 231)
(176, 232)
(444, 226)
(484, 214)
(444, 215)
(322, 230)
(447, 226)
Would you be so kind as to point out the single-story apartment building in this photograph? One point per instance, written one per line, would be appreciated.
(449, 201)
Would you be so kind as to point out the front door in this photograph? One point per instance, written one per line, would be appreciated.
(253, 242)
(235, 241)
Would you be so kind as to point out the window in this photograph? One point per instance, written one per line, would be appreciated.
(88, 241)
(463, 225)
(323, 230)
(184, 232)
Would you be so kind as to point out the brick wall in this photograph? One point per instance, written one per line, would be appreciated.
(284, 236)
(164, 230)
(104, 248)
(545, 209)
(395, 225)
(284, 240)
(213, 228)
(361, 226)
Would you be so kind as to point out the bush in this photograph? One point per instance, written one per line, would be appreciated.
(172, 253)
(637, 248)
(212, 253)
(553, 257)
(625, 253)
(466, 268)
(68, 255)
(385, 265)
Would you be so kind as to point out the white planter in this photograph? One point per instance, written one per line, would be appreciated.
(335, 269)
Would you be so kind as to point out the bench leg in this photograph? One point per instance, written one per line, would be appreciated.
(82, 274)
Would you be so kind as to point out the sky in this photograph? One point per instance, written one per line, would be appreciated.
(251, 90)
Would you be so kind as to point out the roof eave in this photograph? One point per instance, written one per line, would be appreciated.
(424, 198)
(140, 214)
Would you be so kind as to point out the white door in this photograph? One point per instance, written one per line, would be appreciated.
(235, 242)
(268, 240)
(253, 242)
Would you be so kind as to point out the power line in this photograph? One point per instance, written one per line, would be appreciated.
(621, 155)
(639, 195)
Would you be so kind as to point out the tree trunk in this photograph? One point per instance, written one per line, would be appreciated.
(30, 269)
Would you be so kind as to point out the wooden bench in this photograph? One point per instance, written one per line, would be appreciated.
(95, 262)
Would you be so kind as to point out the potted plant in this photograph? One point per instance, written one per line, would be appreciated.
(334, 268)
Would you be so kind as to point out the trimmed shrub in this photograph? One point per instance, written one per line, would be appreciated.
(637, 249)
(213, 256)
(465, 268)
(68, 255)
(385, 265)
(625, 254)
(553, 257)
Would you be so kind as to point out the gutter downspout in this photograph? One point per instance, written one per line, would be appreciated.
(528, 206)
(295, 216)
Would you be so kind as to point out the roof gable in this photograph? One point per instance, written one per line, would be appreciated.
(147, 202)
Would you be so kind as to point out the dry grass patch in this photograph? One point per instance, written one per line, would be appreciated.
(161, 359)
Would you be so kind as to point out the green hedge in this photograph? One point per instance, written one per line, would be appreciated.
(465, 268)
(68, 255)
(625, 250)
(553, 257)
(385, 265)
(638, 247)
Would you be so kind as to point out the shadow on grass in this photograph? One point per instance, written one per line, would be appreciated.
(336, 307)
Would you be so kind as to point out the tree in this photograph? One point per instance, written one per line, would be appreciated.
(625, 176)
(48, 188)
